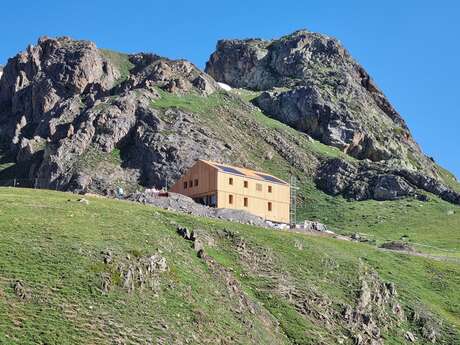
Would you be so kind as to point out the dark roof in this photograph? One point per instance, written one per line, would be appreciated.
(245, 172)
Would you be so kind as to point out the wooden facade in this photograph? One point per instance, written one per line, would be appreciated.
(225, 186)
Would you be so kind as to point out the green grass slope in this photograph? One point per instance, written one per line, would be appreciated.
(431, 227)
(253, 285)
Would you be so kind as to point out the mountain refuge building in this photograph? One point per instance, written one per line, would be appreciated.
(224, 186)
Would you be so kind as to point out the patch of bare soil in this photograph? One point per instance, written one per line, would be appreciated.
(399, 246)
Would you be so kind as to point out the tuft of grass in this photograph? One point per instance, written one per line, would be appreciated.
(247, 95)
(93, 157)
(399, 131)
(120, 61)
(449, 178)
(116, 155)
(190, 102)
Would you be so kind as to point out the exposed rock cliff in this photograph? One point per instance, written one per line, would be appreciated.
(65, 101)
(310, 82)
(376, 181)
(80, 118)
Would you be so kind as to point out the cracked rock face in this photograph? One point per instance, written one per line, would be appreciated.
(36, 80)
(178, 76)
(310, 82)
(361, 182)
(367, 180)
(66, 107)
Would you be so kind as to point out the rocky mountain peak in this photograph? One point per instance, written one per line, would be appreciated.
(290, 58)
(311, 82)
(36, 80)
(67, 105)
(176, 76)
(69, 65)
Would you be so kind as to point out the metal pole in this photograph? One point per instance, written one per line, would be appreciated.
(293, 206)
(35, 184)
(14, 182)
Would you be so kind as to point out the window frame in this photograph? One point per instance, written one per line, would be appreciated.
(270, 206)
(230, 181)
(246, 202)
(230, 199)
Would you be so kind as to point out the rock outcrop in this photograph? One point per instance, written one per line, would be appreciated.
(177, 76)
(66, 106)
(83, 119)
(132, 273)
(311, 82)
(367, 180)
(36, 81)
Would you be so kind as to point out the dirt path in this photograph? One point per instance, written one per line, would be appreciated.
(425, 255)
(406, 252)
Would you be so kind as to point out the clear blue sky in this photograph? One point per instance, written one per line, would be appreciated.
(411, 48)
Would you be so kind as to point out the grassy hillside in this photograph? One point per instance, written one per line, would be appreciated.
(431, 227)
(252, 285)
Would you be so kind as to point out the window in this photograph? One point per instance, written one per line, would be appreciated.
(196, 182)
(245, 201)
(230, 181)
(230, 199)
(246, 184)
(270, 206)
(190, 184)
(185, 185)
(258, 187)
(269, 189)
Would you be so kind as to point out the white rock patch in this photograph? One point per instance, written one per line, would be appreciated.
(225, 86)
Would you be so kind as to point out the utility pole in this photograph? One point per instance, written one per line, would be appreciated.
(293, 207)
